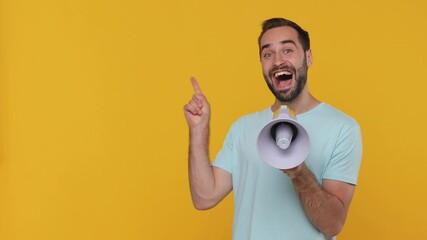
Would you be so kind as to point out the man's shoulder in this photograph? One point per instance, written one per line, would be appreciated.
(252, 120)
(330, 113)
(260, 115)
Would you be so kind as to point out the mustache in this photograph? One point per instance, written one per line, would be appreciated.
(282, 67)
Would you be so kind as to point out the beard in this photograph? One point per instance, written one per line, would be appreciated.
(291, 94)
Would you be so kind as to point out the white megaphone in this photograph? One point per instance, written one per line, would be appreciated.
(283, 143)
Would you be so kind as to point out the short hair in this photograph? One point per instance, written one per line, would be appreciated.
(281, 22)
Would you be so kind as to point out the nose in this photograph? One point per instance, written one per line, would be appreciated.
(278, 59)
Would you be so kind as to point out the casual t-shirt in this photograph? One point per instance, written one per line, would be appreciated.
(266, 205)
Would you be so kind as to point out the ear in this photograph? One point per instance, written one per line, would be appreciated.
(309, 57)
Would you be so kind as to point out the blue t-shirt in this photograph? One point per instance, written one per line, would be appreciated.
(266, 205)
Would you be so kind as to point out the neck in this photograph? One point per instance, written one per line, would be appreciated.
(303, 103)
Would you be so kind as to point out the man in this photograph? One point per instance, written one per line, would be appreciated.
(307, 202)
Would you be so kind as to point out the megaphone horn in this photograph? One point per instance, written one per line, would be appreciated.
(283, 143)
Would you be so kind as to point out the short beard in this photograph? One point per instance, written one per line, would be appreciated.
(294, 93)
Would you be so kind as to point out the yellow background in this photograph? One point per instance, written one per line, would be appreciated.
(93, 141)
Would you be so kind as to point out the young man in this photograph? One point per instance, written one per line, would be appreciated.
(310, 201)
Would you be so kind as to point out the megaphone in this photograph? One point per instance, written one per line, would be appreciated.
(283, 143)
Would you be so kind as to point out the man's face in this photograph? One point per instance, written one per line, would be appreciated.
(284, 63)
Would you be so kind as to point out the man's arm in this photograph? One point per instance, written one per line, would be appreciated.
(326, 206)
(208, 185)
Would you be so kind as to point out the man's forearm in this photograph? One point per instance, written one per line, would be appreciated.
(326, 211)
(201, 176)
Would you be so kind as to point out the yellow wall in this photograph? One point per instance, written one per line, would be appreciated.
(93, 141)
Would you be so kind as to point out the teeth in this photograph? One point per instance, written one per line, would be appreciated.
(282, 73)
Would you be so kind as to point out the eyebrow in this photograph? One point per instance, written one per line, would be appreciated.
(282, 42)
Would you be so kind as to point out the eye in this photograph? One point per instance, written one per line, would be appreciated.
(288, 51)
(267, 55)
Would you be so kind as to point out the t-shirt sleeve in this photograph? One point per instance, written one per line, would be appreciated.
(224, 158)
(346, 158)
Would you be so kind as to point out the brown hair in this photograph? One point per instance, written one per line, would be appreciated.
(281, 22)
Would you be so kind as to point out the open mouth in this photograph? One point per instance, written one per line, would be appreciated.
(283, 75)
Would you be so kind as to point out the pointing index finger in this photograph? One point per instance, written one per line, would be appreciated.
(196, 86)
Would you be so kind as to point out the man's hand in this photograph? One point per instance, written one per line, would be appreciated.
(293, 172)
(197, 111)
